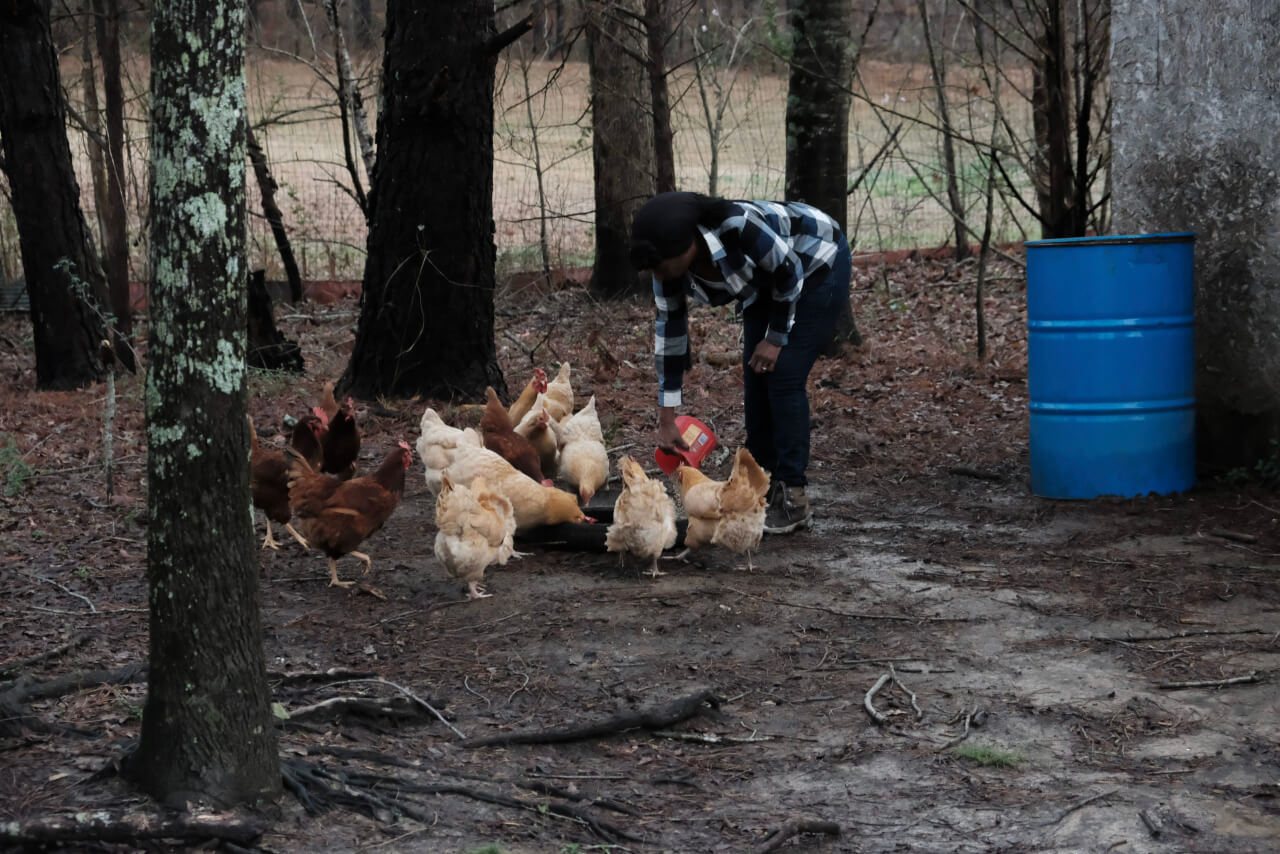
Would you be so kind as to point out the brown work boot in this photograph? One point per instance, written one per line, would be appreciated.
(788, 509)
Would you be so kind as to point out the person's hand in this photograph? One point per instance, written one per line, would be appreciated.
(669, 438)
(765, 357)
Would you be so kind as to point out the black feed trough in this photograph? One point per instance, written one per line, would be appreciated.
(587, 536)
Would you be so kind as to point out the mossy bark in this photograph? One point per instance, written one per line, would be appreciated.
(426, 315)
(207, 729)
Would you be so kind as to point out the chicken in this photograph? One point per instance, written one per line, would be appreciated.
(584, 461)
(644, 517)
(437, 444)
(269, 475)
(499, 437)
(328, 405)
(341, 442)
(536, 427)
(559, 395)
(475, 529)
(536, 386)
(534, 504)
(726, 513)
(338, 515)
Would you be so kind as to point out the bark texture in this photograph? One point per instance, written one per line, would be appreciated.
(818, 117)
(426, 318)
(62, 270)
(622, 148)
(115, 237)
(207, 728)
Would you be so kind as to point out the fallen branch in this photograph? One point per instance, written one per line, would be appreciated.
(711, 737)
(780, 835)
(657, 718)
(1233, 536)
(93, 609)
(1180, 635)
(412, 696)
(1080, 805)
(967, 471)
(126, 827)
(395, 708)
(316, 675)
(959, 738)
(362, 753)
(876, 715)
(1252, 676)
(908, 692)
(855, 614)
(38, 658)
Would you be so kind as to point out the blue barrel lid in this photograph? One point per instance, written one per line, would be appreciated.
(1164, 237)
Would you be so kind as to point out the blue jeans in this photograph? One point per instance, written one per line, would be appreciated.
(776, 403)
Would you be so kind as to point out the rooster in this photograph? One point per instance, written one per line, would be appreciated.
(337, 515)
(269, 475)
(475, 529)
(644, 517)
(725, 513)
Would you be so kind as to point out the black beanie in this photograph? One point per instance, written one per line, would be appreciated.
(665, 226)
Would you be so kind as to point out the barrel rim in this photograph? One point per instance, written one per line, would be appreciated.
(1119, 239)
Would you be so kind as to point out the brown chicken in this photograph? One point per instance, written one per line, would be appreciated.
(499, 437)
(269, 475)
(341, 442)
(644, 517)
(533, 503)
(536, 386)
(726, 513)
(338, 515)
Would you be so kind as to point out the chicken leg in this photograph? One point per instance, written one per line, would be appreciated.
(269, 542)
(333, 575)
(475, 591)
(653, 568)
(301, 539)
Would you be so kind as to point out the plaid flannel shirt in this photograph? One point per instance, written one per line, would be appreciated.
(765, 250)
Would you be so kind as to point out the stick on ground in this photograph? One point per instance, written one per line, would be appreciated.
(659, 717)
(876, 715)
(1212, 683)
(126, 827)
(779, 836)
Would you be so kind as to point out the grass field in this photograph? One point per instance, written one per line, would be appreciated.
(894, 208)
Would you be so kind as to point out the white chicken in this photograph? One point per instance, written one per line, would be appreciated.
(475, 530)
(536, 427)
(438, 444)
(644, 517)
(584, 460)
(533, 503)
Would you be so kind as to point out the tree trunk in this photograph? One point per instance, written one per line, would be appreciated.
(93, 116)
(621, 140)
(655, 28)
(1051, 119)
(426, 317)
(207, 728)
(939, 70)
(363, 10)
(267, 187)
(115, 237)
(64, 280)
(818, 118)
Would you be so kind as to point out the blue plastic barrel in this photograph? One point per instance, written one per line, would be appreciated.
(1111, 365)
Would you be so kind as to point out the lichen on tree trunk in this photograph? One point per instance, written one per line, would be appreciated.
(207, 729)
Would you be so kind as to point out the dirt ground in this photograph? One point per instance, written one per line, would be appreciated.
(1046, 633)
